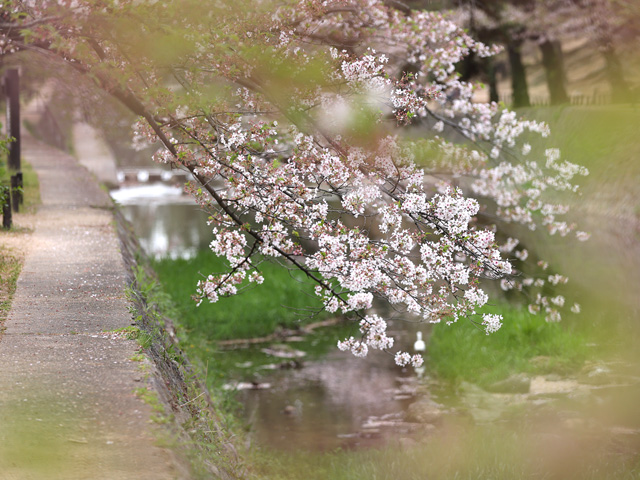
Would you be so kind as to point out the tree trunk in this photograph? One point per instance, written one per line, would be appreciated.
(490, 69)
(6, 207)
(554, 71)
(468, 67)
(518, 76)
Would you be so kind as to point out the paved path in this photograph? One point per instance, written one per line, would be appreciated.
(67, 403)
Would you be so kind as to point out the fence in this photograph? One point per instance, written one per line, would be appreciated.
(576, 99)
(49, 130)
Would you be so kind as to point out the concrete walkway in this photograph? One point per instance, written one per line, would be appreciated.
(67, 403)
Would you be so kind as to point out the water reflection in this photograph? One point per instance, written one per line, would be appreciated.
(167, 222)
(324, 404)
(330, 399)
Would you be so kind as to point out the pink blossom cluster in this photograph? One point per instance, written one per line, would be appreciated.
(285, 179)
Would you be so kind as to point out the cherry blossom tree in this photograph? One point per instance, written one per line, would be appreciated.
(290, 117)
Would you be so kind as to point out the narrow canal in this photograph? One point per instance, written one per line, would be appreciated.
(297, 393)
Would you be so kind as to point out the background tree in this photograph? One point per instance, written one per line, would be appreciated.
(608, 24)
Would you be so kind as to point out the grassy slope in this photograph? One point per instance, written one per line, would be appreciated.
(603, 271)
(10, 259)
(462, 453)
(603, 139)
(282, 300)
(10, 265)
(31, 188)
(606, 141)
(464, 352)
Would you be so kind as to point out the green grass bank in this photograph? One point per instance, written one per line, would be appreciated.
(11, 250)
(284, 300)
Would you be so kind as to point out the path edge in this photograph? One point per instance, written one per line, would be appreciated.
(201, 441)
